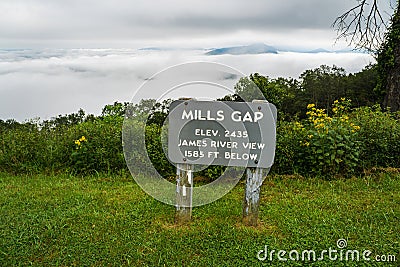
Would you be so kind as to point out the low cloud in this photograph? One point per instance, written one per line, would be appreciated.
(47, 83)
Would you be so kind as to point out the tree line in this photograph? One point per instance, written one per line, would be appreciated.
(320, 86)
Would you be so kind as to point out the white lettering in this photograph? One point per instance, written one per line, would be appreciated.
(253, 145)
(199, 117)
(281, 255)
(209, 116)
(196, 143)
(264, 257)
(253, 156)
(236, 116)
(227, 144)
(213, 154)
(258, 116)
(187, 116)
(220, 115)
(202, 115)
(205, 132)
(366, 255)
(247, 117)
(244, 156)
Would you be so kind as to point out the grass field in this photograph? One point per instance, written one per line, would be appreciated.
(100, 221)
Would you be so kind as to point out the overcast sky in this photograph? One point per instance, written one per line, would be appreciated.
(132, 23)
(49, 78)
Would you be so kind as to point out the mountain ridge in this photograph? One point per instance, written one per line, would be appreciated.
(253, 49)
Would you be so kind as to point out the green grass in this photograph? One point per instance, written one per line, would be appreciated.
(99, 221)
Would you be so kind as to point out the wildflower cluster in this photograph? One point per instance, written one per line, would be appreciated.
(355, 127)
(341, 106)
(298, 126)
(329, 143)
(78, 142)
(322, 122)
(318, 117)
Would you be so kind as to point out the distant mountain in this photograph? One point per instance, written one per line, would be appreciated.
(169, 49)
(304, 51)
(319, 50)
(257, 48)
(242, 50)
(151, 49)
(350, 50)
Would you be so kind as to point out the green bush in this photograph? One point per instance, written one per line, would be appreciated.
(341, 143)
(289, 136)
(96, 146)
(330, 145)
(87, 147)
(320, 145)
(155, 151)
(379, 137)
(21, 149)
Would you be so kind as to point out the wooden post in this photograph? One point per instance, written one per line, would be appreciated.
(184, 190)
(251, 203)
(254, 180)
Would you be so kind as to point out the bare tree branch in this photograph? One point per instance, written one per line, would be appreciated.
(362, 26)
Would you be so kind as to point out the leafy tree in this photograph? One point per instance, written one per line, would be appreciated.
(159, 112)
(230, 97)
(276, 91)
(65, 120)
(389, 65)
(367, 28)
(361, 87)
(323, 85)
(9, 124)
(246, 90)
(280, 91)
(116, 109)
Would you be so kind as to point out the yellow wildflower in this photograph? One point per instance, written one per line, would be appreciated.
(77, 142)
(310, 106)
(82, 139)
(344, 118)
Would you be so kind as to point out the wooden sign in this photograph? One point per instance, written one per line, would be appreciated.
(222, 133)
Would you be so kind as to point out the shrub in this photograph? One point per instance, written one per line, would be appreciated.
(289, 136)
(340, 143)
(97, 146)
(155, 151)
(379, 137)
(320, 145)
(330, 146)
(21, 149)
